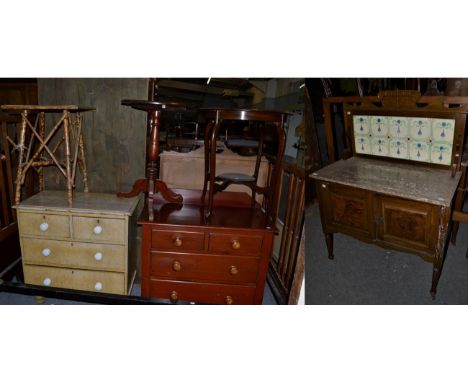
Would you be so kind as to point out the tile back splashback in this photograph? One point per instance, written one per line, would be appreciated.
(420, 139)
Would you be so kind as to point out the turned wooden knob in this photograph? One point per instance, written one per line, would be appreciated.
(228, 300)
(235, 244)
(177, 241)
(176, 266)
(174, 296)
(233, 270)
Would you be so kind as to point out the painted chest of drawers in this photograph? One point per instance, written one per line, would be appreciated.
(220, 261)
(89, 246)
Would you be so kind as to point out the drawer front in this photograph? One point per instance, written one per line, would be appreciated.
(235, 244)
(93, 281)
(231, 269)
(177, 241)
(202, 292)
(66, 253)
(44, 225)
(98, 230)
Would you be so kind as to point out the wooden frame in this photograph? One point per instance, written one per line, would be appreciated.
(406, 104)
(330, 102)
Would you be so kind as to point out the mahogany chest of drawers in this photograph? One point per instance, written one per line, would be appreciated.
(220, 261)
(89, 246)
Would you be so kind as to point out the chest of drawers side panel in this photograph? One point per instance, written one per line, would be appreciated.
(146, 260)
(132, 249)
(267, 250)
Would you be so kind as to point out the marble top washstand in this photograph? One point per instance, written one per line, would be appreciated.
(430, 185)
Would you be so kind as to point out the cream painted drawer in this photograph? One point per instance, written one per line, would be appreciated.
(44, 224)
(95, 281)
(97, 229)
(66, 253)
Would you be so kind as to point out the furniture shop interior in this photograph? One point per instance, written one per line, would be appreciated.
(153, 190)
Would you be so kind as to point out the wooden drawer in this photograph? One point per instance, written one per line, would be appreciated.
(108, 282)
(179, 241)
(235, 269)
(44, 225)
(235, 244)
(202, 292)
(66, 253)
(98, 229)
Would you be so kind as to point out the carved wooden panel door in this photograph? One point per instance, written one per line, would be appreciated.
(406, 223)
(348, 210)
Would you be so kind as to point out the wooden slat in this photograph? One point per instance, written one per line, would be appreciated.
(290, 230)
(296, 233)
(5, 218)
(298, 273)
(285, 232)
(9, 176)
(460, 216)
(9, 230)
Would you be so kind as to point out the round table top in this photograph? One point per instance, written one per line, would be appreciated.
(146, 105)
(18, 109)
(244, 114)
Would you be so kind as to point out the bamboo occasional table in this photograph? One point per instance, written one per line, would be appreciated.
(31, 157)
(151, 184)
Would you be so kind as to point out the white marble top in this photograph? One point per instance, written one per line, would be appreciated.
(430, 185)
(83, 202)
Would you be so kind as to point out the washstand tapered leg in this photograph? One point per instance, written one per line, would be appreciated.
(329, 240)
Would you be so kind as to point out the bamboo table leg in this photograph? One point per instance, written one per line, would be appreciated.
(19, 173)
(42, 134)
(81, 159)
(66, 134)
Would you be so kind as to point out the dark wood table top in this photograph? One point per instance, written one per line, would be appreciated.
(230, 210)
(244, 114)
(146, 105)
(18, 109)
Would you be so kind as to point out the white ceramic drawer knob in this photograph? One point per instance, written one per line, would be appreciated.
(47, 281)
(98, 286)
(97, 230)
(46, 252)
(44, 227)
(98, 256)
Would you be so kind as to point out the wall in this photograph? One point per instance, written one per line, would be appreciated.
(114, 135)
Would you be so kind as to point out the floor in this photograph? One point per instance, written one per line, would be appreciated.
(19, 299)
(363, 273)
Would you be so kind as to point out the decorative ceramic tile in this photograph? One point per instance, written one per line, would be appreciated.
(441, 152)
(362, 145)
(379, 146)
(443, 129)
(398, 148)
(420, 128)
(420, 151)
(379, 126)
(420, 139)
(398, 127)
(361, 125)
